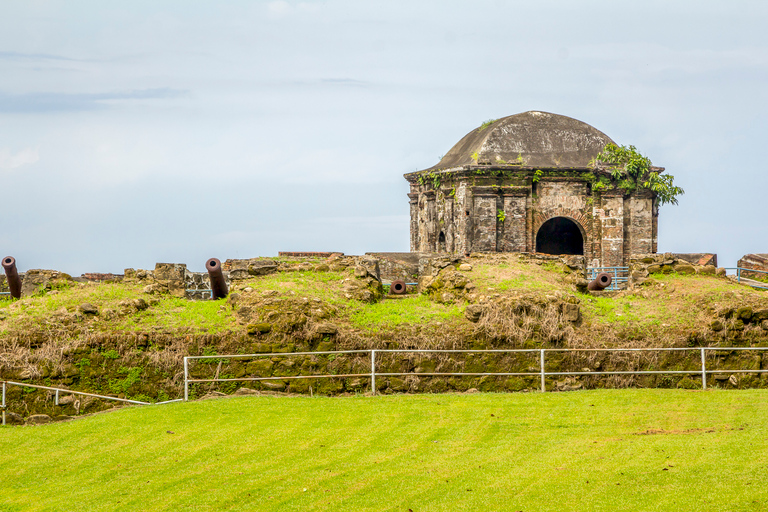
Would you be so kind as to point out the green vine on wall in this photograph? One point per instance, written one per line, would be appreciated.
(501, 215)
(433, 178)
(631, 171)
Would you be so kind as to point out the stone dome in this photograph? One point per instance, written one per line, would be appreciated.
(534, 139)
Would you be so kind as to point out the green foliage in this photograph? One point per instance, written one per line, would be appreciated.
(486, 124)
(602, 183)
(132, 375)
(432, 178)
(110, 354)
(627, 185)
(474, 156)
(501, 215)
(82, 363)
(663, 186)
(632, 170)
(537, 174)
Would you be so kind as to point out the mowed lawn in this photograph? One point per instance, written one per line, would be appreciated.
(610, 450)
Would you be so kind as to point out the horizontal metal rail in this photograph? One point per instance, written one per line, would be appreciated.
(62, 391)
(287, 377)
(738, 276)
(82, 393)
(541, 353)
(274, 354)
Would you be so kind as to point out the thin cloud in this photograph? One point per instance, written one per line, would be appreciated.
(343, 81)
(10, 161)
(36, 56)
(53, 101)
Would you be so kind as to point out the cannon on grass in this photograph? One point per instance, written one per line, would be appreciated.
(12, 275)
(218, 283)
(601, 282)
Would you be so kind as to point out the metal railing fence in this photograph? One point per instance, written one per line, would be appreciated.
(539, 354)
(703, 371)
(63, 391)
(619, 276)
(739, 271)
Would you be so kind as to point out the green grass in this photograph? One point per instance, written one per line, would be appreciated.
(417, 309)
(322, 285)
(175, 313)
(611, 450)
(512, 276)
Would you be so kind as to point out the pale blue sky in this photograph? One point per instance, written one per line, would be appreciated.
(138, 132)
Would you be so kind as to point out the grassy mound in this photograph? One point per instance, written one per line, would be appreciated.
(126, 339)
(629, 450)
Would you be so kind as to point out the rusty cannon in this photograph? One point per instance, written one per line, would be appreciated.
(601, 282)
(12, 275)
(398, 287)
(218, 283)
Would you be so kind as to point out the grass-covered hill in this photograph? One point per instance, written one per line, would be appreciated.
(127, 338)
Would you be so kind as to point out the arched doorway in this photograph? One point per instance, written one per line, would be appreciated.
(441, 242)
(559, 235)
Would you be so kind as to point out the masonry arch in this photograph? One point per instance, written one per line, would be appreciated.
(560, 235)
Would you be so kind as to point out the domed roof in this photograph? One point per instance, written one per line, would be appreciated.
(535, 139)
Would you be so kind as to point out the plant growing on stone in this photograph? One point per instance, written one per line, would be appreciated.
(431, 178)
(486, 124)
(537, 174)
(501, 215)
(632, 170)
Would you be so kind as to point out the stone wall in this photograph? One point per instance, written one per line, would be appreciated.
(756, 262)
(488, 210)
(394, 266)
(642, 265)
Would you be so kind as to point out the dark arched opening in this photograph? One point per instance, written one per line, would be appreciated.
(559, 236)
(441, 242)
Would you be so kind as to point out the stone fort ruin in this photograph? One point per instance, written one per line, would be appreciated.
(524, 183)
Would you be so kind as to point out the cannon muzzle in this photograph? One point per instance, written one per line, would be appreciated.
(601, 282)
(398, 287)
(218, 284)
(12, 275)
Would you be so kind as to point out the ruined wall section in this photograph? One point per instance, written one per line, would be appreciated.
(567, 198)
(513, 236)
(639, 221)
(611, 220)
(479, 210)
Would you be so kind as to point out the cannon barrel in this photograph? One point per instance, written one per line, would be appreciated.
(601, 282)
(398, 287)
(218, 284)
(12, 275)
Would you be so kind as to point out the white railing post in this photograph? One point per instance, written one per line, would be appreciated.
(373, 372)
(57, 397)
(3, 402)
(186, 379)
(703, 369)
(543, 384)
